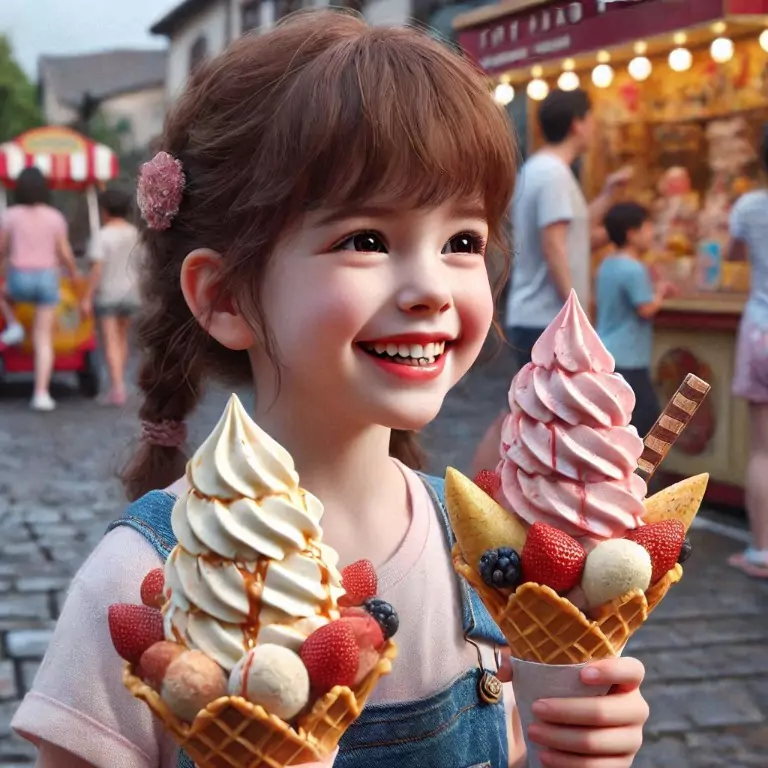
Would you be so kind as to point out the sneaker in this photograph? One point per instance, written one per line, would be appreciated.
(42, 403)
(12, 335)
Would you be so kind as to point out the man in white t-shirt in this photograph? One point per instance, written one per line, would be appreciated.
(554, 229)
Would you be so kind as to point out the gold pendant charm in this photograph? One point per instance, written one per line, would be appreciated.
(489, 688)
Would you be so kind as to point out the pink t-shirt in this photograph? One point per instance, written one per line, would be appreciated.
(33, 231)
(78, 701)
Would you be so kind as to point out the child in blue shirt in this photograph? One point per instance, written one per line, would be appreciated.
(627, 301)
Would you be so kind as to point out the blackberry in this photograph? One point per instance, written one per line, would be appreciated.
(685, 550)
(385, 614)
(500, 568)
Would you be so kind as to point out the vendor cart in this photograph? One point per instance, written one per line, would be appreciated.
(72, 162)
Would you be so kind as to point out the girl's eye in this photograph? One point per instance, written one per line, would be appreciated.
(363, 242)
(465, 242)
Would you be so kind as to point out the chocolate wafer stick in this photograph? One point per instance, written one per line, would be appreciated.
(673, 420)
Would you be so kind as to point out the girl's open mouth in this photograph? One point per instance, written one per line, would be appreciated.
(416, 355)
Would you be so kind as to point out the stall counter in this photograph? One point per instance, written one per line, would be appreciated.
(697, 334)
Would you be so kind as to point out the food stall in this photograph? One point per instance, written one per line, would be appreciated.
(680, 92)
(71, 162)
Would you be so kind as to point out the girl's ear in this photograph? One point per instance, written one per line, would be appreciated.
(212, 307)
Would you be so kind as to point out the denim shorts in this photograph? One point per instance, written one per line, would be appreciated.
(121, 309)
(34, 286)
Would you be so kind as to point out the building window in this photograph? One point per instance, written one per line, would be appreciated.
(250, 16)
(197, 53)
(284, 7)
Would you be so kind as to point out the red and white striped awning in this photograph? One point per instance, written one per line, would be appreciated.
(67, 159)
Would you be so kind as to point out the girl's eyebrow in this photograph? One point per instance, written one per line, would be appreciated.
(459, 211)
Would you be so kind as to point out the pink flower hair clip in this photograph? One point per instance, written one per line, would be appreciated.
(160, 189)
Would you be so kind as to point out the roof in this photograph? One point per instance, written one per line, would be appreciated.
(102, 75)
(179, 16)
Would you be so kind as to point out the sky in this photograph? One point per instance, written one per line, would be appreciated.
(38, 27)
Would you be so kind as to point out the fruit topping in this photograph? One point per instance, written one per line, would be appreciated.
(191, 683)
(134, 628)
(155, 661)
(500, 568)
(663, 541)
(385, 614)
(152, 588)
(370, 639)
(272, 677)
(685, 550)
(331, 655)
(488, 481)
(360, 582)
(613, 568)
(552, 558)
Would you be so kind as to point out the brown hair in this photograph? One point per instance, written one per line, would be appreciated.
(320, 111)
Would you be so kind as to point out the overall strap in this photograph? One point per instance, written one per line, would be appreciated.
(151, 517)
(478, 623)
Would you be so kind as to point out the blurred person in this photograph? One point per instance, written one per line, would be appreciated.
(627, 302)
(749, 241)
(553, 226)
(34, 243)
(113, 285)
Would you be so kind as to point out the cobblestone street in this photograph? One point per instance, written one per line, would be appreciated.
(705, 648)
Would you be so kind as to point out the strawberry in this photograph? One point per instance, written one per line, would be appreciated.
(553, 558)
(663, 542)
(155, 661)
(152, 588)
(488, 481)
(134, 628)
(360, 582)
(331, 655)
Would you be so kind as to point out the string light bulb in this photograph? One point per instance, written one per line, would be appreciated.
(680, 59)
(640, 68)
(568, 81)
(537, 89)
(764, 40)
(602, 75)
(721, 49)
(504, 93)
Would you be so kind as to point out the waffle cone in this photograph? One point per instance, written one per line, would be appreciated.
(541, 626)
(233, 733)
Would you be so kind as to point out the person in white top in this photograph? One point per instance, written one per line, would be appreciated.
(114, 285)
(554, 229)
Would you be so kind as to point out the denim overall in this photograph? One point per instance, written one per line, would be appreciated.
(451, 729)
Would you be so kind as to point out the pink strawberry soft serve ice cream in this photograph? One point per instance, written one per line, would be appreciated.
(568, 453)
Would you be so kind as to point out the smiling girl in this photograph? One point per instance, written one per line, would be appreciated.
(344, 187)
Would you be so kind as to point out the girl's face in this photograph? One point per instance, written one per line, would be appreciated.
(376, 313)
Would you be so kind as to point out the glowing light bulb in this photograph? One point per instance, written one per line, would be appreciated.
(537, 89)
(602, 75)
(680, 59)
(721, 49)
(504, 93)
(764, 40)
(568, 81)
(640, 68)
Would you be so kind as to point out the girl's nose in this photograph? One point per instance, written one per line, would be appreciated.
(426, 293)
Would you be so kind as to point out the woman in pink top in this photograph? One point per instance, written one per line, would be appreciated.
(33, 242)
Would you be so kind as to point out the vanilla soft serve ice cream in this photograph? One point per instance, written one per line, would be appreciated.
(249, 567)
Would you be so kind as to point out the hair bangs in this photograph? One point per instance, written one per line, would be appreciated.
(376, 118)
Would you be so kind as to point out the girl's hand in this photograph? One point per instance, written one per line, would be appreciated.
(598, 732)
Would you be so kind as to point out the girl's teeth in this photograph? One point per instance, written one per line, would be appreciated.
(392, 350)
(417, 354)
(380, 348)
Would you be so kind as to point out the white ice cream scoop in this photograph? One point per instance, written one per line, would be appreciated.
(274, 678)
(613, 568)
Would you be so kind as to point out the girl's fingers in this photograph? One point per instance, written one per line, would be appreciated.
(597, 712)
(605, 742)
(561, 760)
(623, 674)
